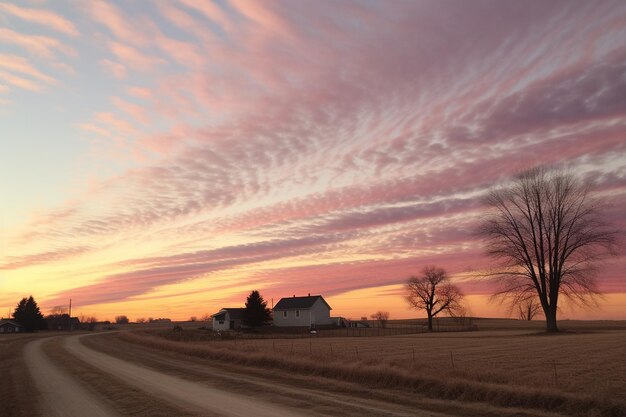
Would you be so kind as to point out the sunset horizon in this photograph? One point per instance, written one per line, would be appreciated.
(164, 159)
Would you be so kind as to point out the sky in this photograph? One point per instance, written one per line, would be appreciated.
(163, 159)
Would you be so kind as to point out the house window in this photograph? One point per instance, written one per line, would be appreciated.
(1, 329)
(297, 313)
(221, 321)
(285, 314)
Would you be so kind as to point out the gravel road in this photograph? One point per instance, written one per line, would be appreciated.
(61, 395)
(176, 389)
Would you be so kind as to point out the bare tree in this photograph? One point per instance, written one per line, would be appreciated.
(58, 310)
(121, 320)
(141, 320)
(547, 233)
(91, 322)
(433, 292)
(528, 309)
(193, 318)
(382, 317)
(206, 317)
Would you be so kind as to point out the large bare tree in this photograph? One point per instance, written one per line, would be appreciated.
(433, 293)
(547, 233)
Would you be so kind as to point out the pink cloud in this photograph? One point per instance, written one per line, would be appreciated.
(113, 18)
(42, 46)
(20, 82)
(139, 92)
(115, 69)
(212, 11)
(40, 17)
(132, 57)
(115, 123)
(25, 261)
(377, 128)
(22, 65)
(136, 111)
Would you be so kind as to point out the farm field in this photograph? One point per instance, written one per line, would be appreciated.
(587, 361)
(505, 368)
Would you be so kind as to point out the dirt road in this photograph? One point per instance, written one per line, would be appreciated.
(61, 395)
(176, 389)
(92, 375)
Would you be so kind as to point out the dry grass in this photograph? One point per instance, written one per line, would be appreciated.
(16, 386)
(504, 368)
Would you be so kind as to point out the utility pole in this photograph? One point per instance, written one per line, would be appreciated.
(70, 319)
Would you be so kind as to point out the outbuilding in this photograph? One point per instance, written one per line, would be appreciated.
(228, 319)
(309, 311)
(9, 326)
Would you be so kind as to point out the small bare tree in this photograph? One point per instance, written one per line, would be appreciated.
(121, 320)
(528, 309)
(548, 234)
(382, 317)
(433, 292)
(193, 318)
(91, 322)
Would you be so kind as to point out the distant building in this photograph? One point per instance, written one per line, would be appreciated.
(228, 319)
(62, 322)
(309, 311)
(159, 320)
(344, 322)
(9, 326)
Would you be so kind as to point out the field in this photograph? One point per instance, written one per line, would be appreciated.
(507, 362)
(502, 368)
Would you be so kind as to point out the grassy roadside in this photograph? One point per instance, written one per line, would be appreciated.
(17, 389)
(383, 377)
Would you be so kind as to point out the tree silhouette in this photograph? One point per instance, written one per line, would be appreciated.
(382, 317)
(27, 314)
(528, 310)
(256, 312)
(121, 319)
(433, 293)
(548, 233)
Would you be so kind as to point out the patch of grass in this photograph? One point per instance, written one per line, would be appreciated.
(17, 389)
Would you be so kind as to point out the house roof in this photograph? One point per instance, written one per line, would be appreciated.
(9, 322)
(233, 314)
(299, 303)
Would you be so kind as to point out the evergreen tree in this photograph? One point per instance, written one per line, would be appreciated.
(28, 315)
(256, 313)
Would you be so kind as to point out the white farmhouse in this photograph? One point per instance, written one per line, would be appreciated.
(228, 319)
(309, 311)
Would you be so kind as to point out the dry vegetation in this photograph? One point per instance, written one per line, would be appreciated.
(573, 373)
(16, 386)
